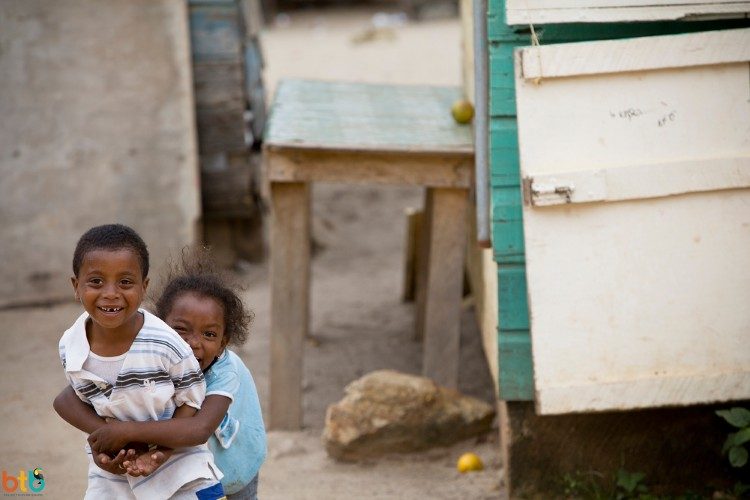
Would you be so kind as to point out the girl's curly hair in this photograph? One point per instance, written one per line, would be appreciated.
(196, 272)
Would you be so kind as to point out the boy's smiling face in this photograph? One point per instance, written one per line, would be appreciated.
(111, 286)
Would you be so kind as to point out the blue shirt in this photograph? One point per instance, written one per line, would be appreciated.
(239, 443)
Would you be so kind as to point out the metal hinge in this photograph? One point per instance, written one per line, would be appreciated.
(542, 194)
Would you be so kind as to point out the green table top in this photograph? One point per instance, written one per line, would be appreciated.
(366, 117)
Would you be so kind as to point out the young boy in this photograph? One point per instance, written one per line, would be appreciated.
(129, 365)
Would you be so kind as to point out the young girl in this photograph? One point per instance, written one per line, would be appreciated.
(127, 364)
(208, 315)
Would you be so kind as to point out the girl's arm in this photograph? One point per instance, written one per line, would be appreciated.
(84, 417)
(147, 462)
(76, 412)
(172, 433)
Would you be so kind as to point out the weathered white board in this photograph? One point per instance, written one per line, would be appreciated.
(602, 11)
(637, 225)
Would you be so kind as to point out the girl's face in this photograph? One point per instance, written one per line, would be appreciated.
(200, 322)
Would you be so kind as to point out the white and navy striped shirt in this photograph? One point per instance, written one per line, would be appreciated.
(158, 374)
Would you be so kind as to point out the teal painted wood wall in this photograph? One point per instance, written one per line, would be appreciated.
(514, 342)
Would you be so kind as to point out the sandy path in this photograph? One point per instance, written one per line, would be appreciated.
(356, 311)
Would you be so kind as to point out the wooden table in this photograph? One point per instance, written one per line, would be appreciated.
(363, 133)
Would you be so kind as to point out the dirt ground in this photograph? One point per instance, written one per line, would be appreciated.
(357, 315)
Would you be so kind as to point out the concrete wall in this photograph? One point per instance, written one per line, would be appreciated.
(97, 126)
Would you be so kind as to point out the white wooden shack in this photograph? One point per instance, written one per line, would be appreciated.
(618, 146)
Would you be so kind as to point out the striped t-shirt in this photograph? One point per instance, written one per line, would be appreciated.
(158, 374)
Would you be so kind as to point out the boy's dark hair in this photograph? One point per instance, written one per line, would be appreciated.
(110, 237)
(197, 273)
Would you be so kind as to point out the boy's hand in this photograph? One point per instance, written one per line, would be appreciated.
(113, 465)
(146, 463)
(109, 437)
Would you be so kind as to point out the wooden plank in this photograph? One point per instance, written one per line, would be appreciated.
(444, 286)
(599, 11)
(482, 273)
(290, 284)
(414, 223)
(252, 16)
(338, 116)
(516, 368)
(507, 217)
(226, 185)
(635, 119)
(219, 84)
(423, 260)
(220, 131)
(673, 330)
(613, 4)
(295, 165)
(639, 54)
(698, 388)
(215, 32)
(639, 181)
(514, 305)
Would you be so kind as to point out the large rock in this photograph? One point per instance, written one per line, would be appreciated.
(387, 411)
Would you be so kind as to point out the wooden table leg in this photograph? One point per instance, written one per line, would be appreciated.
(290, 289)
(422, 264)
(444, 287)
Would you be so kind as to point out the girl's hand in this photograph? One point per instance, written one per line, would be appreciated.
(109, 437)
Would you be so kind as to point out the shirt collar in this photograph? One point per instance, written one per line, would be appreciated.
(77, 349)
(218, 360)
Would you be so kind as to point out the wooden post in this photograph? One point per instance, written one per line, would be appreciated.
(411, 253)
(290, 289)
(422, 265)
(442, 308)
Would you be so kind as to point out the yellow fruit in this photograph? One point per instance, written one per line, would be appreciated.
(462, 111)
(469, 462)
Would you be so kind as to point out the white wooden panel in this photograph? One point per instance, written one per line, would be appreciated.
(639, 181)
(575, 11)
(634, 119)
(616, 56)
(642, 302)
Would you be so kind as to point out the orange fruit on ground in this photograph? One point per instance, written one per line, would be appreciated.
(469, 462)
